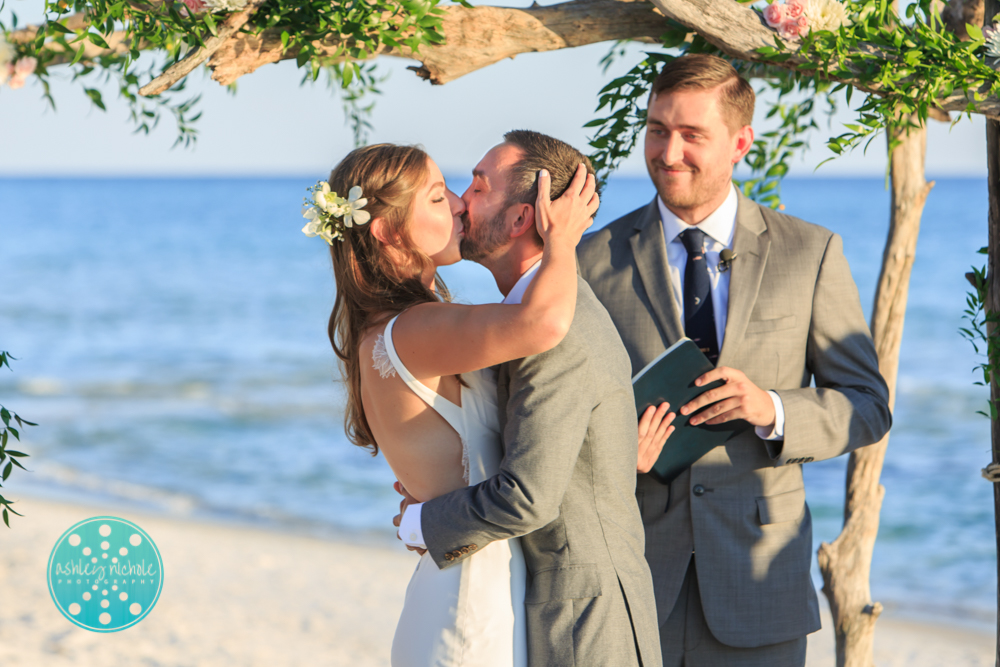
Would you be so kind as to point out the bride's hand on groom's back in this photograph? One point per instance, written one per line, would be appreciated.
(655, 426)
(566, 218)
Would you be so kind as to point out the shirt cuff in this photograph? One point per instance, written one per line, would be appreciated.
(409, 527)
(777, 432)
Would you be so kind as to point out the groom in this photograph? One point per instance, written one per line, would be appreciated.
(567, 481)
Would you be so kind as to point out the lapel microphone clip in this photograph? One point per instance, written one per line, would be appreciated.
(726, 258)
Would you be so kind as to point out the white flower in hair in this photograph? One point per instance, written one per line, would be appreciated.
(329, 214)
(316, 226)
(328, 200)
(353, 213)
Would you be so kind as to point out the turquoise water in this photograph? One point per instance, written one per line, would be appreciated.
(171, 337)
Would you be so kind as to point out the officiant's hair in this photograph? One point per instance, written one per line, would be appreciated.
(701, 71)
(540, 151)
(373, 282)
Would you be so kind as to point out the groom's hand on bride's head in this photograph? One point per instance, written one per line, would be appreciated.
(396, 520)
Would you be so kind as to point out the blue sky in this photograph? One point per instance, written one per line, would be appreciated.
(275, 126)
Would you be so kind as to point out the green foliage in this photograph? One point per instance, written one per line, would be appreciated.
(912, 63)
(356, 93)
(982, 331)
(356, 30)
(10, 456)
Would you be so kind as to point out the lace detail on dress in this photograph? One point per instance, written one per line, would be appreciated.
(383, 364)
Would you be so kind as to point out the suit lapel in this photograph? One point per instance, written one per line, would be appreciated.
(751, 244)
(650, 253)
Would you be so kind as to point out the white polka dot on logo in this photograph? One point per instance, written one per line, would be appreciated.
(104, 592)
(115, 587)
(114, 560)
(74, 540)
(123, 596)
(94, 559)
(104, 618)
(104, 555)
(86, 551)
(86, 595)
(105, 604)
(123, 551)
(135, 540)
(135, 608)
(74, 609)
(105, 545)
(94, 587)
(104, 530)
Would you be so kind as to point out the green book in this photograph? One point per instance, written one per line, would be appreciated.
(670, 377)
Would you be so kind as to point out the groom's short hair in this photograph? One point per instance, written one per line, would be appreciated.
(701, 71)
(540, 151)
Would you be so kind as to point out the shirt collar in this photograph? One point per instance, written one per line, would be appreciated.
(519, 288)
(720, 223)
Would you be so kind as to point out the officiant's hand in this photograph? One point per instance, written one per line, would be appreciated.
(739, 398)
(403, 504)
(654, 429)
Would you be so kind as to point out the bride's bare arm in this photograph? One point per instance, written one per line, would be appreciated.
(436, 339)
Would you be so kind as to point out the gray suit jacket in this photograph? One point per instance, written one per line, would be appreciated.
(566, 486)
(793, 318)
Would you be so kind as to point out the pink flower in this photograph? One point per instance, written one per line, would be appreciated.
(794, 28)
(795, 8)
(20, 71)
(195, 5)
(775, 14)
(25, 66)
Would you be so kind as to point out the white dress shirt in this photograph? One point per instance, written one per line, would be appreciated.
(719, 227)
(410, 530)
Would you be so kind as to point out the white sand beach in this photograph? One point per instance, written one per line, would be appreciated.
(248, 596)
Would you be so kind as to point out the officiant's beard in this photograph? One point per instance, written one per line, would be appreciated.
(483, 239)
(689, 191)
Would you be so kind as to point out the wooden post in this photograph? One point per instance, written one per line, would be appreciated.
(993, 289)
(846, 562)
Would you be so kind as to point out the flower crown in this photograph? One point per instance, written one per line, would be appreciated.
(329, 214)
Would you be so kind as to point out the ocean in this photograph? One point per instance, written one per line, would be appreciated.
(170, 337)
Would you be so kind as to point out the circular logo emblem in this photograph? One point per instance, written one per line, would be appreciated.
(105, 574)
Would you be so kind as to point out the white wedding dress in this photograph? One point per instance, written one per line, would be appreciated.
(470, 614)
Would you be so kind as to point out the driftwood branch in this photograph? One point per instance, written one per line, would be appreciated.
(845, 563)
(478, 37)
(182, 68)
(474, 38)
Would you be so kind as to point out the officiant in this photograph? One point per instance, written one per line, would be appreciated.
(771, 301)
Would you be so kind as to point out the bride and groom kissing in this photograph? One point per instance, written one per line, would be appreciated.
(512, 427)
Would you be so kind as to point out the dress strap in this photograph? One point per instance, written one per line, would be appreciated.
(448, 410)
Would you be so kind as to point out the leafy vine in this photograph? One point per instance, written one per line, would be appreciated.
(101, 39)
(11, 456)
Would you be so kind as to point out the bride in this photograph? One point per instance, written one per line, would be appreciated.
(417, 370)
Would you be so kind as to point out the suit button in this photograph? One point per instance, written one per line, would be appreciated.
(472, 547)
(464, 550)
(448, 556)
(698, 490)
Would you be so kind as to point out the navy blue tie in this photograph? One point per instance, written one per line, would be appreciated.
(699, 316)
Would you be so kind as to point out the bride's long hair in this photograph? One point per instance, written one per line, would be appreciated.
(374, 283)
